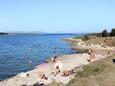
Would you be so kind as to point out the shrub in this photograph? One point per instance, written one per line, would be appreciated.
(105, 33)
(112, 33)
(85, 38)
(77, 37)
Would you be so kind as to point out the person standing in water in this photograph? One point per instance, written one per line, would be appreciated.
(30, 61)
(54, 57)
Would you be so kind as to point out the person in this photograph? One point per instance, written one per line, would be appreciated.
(108, 52)
(89, 51)
(42, 76)
(54, 53)
(30, 62)
(54, 57)
(92, 55)
(68, 72)
(30, 49)
(56, 71)
(65, 73)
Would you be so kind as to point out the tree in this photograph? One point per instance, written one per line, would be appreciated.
(112, 33)
(104, 33)
(85, 38)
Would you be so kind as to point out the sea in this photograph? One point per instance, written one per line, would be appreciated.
(16, 51)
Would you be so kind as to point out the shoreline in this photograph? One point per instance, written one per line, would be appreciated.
(69, 61)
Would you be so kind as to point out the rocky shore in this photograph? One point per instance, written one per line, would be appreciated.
(32, 77)
(68, 62)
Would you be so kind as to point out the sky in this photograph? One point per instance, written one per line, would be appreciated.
(57, 16)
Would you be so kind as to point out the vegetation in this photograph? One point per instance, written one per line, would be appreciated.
(99, 73)
(85, 38)
(112, 33)
(99, 38)
(54, 83)
(77, 37)
(105, 33)
(96, 74)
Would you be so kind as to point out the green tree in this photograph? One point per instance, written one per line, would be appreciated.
(112, 33)
(85, 38)
(105, 33)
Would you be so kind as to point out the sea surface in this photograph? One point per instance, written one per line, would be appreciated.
(17, 50)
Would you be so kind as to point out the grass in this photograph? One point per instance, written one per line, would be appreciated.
(86, 37)
(91, 69)
(97, 40)
(100, 40)
(55, 84)
(77, 37)
(100, 73)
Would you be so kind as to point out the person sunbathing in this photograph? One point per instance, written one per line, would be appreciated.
(42, 76)
(56, 71)
(92, 55)
(89, 51)
(68, 72)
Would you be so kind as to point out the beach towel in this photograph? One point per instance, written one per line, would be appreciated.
(43, 65)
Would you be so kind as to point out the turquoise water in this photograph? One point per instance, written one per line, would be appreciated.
(15, 53)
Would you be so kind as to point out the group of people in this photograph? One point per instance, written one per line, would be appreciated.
(57, 68)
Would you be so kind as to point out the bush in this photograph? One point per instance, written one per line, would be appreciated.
(77, 37)
(85, 38)
(105, 33)
(112, 33)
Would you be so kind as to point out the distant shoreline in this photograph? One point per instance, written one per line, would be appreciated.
(39, 34)
(2, 33)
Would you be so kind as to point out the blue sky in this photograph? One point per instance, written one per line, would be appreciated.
(57, 16)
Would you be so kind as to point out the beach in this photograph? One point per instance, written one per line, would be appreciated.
(69, 62)
(57, 43)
